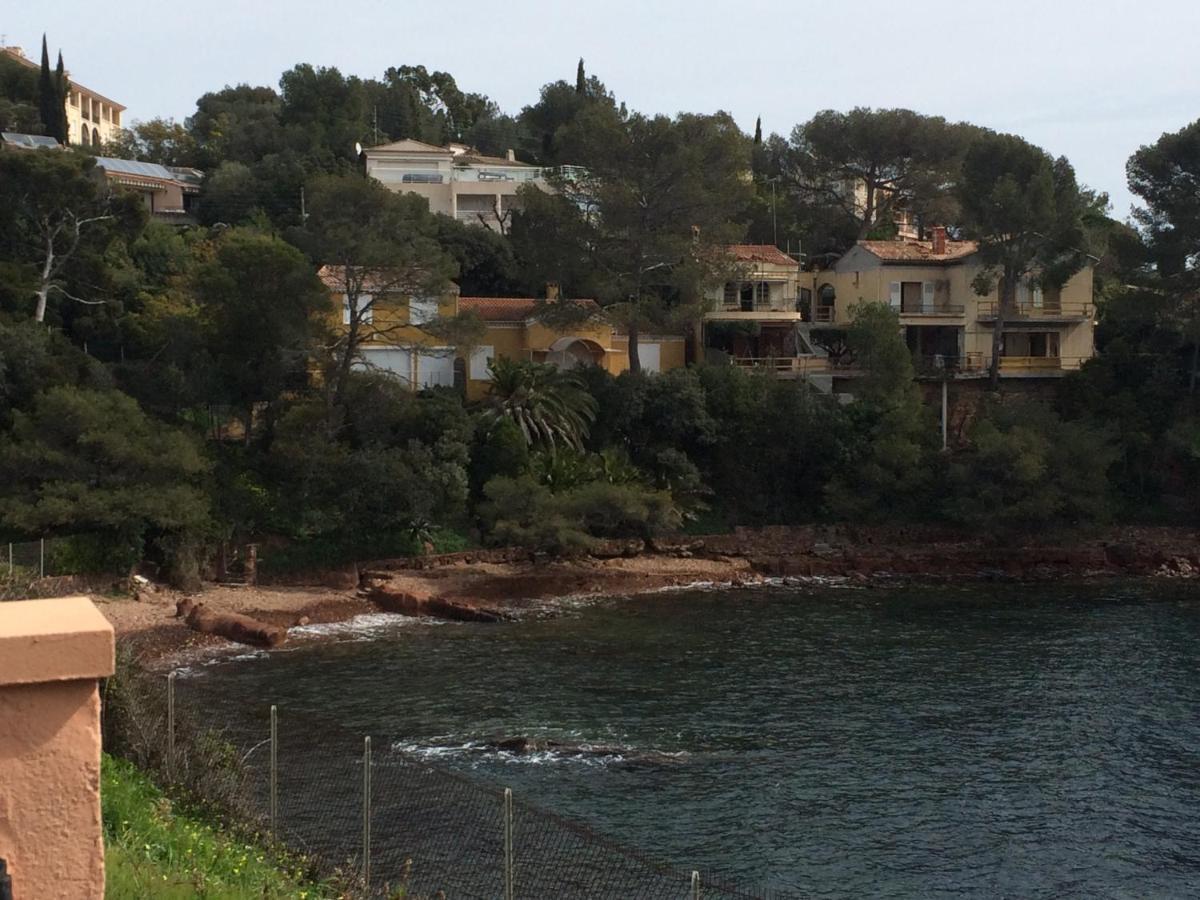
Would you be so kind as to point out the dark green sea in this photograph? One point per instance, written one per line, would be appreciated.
(975, 741)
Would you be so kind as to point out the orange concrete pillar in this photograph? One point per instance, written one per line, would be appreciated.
(51, 654)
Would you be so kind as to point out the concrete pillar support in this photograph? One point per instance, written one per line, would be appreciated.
(52, 653)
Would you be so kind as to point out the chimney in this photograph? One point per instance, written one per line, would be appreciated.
(510, 155)
(938, 233)
(551, 288)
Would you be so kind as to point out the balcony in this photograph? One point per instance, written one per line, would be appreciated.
(1049, 311)
(825, 315)
(496, 176)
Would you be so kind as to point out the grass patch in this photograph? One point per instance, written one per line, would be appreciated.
(155, 850)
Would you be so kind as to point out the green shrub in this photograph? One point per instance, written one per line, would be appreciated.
(522, 512)
(1027, 469)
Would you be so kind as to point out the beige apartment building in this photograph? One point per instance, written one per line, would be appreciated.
(759, 321)
(92, 119)
(455, 179)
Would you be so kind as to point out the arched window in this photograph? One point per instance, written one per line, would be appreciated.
(83, 136)
(95, 137)
(826, 300)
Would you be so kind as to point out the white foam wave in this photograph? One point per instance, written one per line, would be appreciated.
(582, 754)
(364, 627)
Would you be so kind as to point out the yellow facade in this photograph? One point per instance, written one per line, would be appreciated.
(947, 323)
(92, 119)
(771, 315)
(394, 340)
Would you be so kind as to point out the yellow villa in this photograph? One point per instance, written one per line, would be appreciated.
(774, 315)
(397, 341)
(92, 119)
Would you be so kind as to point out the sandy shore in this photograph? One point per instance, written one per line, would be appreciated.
(149, 628)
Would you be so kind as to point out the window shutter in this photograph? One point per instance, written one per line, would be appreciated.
(481, 358)
(894, 290)
(1022, 293)
(927, 296)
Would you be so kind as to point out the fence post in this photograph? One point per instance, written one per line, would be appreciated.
(171, 727)
(695, 885)
(274, 772)
(366, 867)
(508, 843)
(42, 558)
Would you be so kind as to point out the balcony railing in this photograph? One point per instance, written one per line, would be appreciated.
(824, 314)
(948, 363)
(933, 309)
(784, 365)
(1076, 309)
(780, 305)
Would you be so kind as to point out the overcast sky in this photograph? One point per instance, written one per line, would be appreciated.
(1091, 79)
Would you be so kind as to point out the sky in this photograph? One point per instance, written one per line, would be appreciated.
(1089, 79)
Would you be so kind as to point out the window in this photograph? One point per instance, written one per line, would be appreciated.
(650, 356)
(422, 310)
(366, 310)
(394, 360)
(435, 368)
(731, 293)
(481, 358)
(762, 294)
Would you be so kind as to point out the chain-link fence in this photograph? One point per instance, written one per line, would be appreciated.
(30, 568)
(387, 822)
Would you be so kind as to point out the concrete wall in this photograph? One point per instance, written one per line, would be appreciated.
(51, 654)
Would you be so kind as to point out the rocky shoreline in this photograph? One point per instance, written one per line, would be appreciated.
(509, 584)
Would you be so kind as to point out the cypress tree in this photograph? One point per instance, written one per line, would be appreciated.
(63, 87)
(758, 131)
(580, 79)
(47, 96)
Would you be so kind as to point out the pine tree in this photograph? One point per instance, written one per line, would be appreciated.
(62, 89)
(580, 79)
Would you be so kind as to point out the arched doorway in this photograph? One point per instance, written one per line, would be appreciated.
(569, 352)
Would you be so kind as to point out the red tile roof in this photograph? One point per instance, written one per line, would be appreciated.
(762, 253)
(918, 251)
(507, 309)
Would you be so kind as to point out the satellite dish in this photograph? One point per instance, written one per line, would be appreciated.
(357, 149)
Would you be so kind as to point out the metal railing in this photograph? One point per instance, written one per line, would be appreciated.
(948, 363)
(1049, 310)
(933, 309)
(784, 365)
(825, 314)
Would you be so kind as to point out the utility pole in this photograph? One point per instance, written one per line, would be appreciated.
(303, 211)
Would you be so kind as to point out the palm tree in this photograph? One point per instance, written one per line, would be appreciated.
(550, 406)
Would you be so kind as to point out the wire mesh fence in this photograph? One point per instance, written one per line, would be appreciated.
(25, 565)
(381, 820)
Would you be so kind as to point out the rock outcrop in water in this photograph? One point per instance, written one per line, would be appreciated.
(233, 626)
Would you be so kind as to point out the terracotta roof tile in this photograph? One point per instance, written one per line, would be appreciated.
(507, 309)
(919, 251)
(762, 253)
